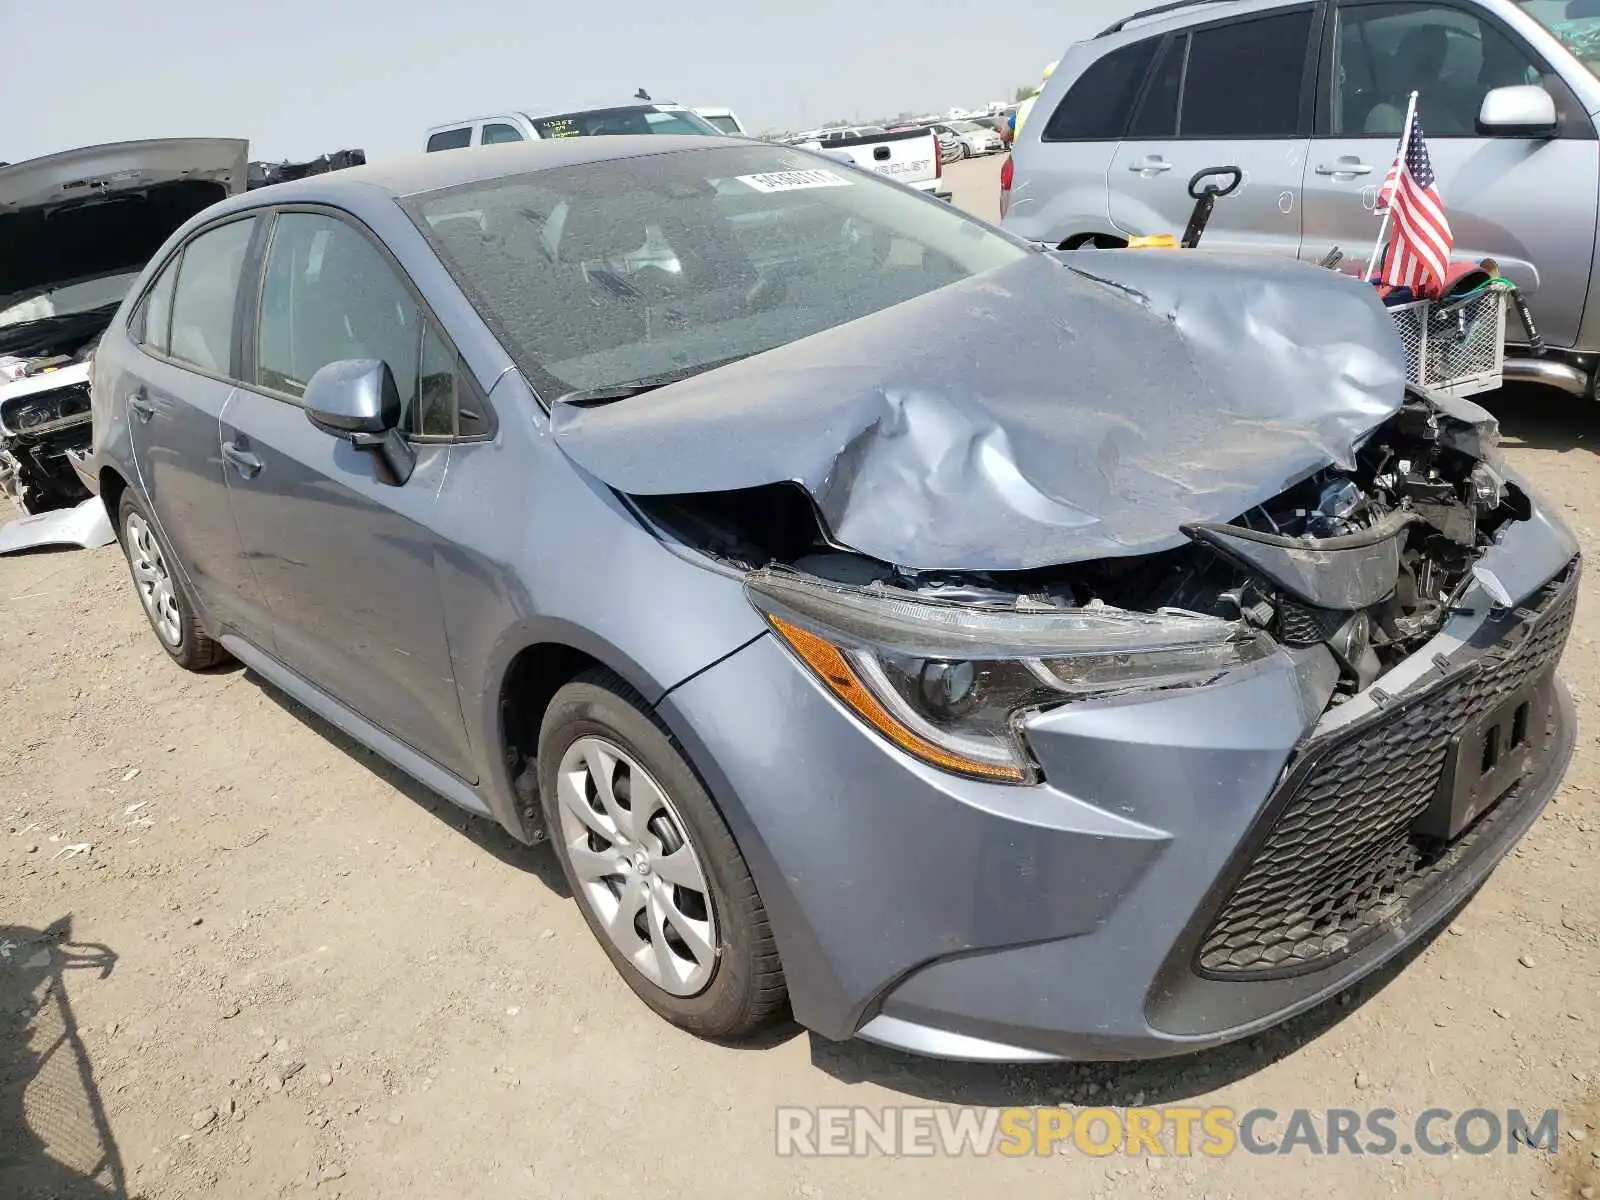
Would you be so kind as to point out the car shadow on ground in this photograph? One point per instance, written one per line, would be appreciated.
(1104, 1084)
(1543, 418)
(487, 835)
(55, 1141)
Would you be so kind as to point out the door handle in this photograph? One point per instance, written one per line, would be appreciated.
(142, 408)
(1150, 166)
(1350, 167)
(247, 464)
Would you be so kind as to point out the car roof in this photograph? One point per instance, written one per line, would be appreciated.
(415, 173)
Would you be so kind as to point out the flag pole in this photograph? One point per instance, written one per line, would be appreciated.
(1388, 213)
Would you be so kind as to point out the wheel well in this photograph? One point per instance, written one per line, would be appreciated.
(1093, 241)
(112, 485)
(535, 675)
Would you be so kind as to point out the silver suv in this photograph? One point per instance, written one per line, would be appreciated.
(1308, 99)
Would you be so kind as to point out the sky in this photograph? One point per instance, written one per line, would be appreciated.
(301, 78)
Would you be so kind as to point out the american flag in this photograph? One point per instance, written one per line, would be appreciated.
(1420, 249)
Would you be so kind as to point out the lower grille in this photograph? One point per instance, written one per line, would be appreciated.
(1340, 860)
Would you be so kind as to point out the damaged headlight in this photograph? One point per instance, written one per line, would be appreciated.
(950, 683)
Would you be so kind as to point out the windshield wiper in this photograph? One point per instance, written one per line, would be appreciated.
(627, 391)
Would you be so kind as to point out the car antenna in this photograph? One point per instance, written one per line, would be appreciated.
(641, 94)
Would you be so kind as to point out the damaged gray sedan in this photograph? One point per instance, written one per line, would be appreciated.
(989, 653)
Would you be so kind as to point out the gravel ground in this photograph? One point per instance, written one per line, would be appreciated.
(239, 956)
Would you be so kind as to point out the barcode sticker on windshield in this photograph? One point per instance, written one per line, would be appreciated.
(793, 181)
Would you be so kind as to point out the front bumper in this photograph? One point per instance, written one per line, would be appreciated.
(970, 920)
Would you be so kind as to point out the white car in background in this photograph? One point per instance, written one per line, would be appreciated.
(975, 138)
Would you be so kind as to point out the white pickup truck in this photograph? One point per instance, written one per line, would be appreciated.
(529, 125)
(910, 157)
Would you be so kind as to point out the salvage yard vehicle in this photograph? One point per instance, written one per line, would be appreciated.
(725, 120)
(992, 653)
(1310, 98)
(531, 126)
(973, 138)
(914, 157)
(75, 230)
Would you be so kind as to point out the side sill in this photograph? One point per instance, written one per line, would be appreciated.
(347, 720)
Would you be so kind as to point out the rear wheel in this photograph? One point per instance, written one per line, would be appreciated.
(161, 592)
(654, 869)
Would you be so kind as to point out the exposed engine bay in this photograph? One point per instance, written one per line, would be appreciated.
(1366, 562)
(45, 422)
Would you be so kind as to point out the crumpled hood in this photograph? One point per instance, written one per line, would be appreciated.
(1032, 416)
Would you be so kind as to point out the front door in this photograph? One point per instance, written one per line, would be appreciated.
(346, 561)
(1508, 198)
(175, 391)
(1234, 93)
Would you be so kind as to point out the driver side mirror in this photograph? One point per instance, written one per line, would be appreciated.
(356, 399)
(1523, 111)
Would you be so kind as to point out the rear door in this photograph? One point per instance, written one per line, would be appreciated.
(345, 561)
(1231, 93)
(175, 390)
(1527, 202)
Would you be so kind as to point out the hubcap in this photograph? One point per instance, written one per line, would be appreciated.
(150, 575)
(636, 869)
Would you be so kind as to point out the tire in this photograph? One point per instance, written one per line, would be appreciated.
(161, 591)
(597, 727)
(965, 153)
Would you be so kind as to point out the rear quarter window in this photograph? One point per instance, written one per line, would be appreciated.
(1098, 106)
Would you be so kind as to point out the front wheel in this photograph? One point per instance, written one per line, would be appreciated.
(654, 869)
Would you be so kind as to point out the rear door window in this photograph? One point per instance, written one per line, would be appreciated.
(451, 139)
(204, 299)
(1157, 118)
(1098, 106)
(1247, 79)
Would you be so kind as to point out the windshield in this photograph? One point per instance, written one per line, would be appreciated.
(1576, 23)
(604, 274)
(632, 118)
(725, 124)
(73, 298)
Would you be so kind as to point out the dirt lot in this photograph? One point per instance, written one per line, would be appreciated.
(241, 957)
